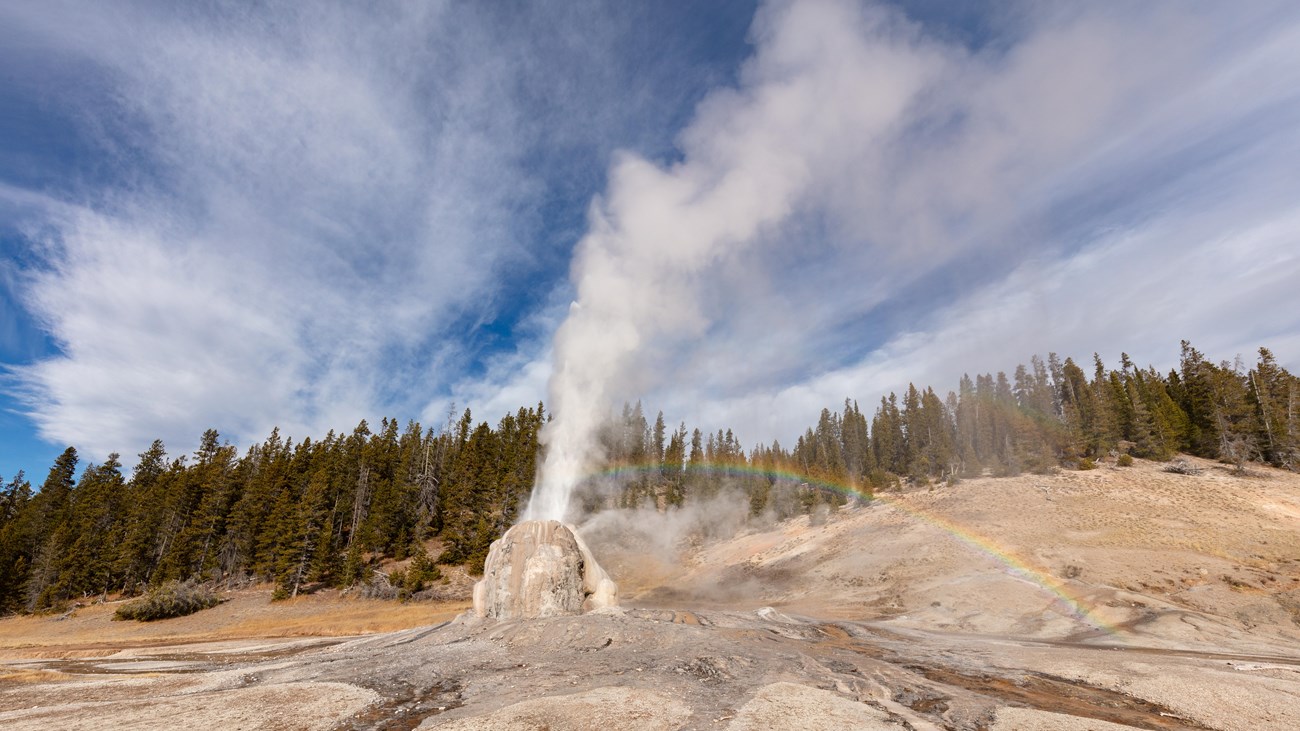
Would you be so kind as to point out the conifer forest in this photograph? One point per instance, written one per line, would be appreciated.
(324, 511)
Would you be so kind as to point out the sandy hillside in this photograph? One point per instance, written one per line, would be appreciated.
(1109, 599)
(1180, 559)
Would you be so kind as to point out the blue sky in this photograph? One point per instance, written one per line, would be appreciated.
(232, 216)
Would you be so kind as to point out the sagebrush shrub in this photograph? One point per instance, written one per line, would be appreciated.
(1182, 466)
(173, 599)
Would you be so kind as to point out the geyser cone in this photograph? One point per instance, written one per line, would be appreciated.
(541, 568)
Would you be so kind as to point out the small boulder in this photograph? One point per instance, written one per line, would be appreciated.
(541, 568)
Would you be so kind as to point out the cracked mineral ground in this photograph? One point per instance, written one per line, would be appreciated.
(1108, 599)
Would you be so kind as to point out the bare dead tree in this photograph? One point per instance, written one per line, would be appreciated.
(361, 502)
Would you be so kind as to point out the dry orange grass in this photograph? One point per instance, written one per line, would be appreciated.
(345, 617)
(90, 631)
(30, 675)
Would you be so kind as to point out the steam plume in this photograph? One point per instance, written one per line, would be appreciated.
(858, 163)
(750, 155)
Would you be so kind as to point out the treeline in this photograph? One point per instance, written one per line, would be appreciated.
(1051, 413)
(325, 512)
(1048, 414)
(315, 511)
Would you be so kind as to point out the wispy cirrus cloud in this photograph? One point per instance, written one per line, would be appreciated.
(313, 212)
(306, 217)
(1164, 210)
(296, 224)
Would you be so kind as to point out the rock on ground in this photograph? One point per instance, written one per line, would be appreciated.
(306, 705)
(1028, 719)
(594, 710)
(541, 568)
(795, 707)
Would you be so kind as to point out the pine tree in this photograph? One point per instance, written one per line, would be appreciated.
(15, 541)
(260, 512)
(826, 460)
(658, 440)
(1106, 429)
(887, 438)
(674, 457)
(1234, 422)
(855, 443)
(1271, 393)
(967, 427)
(49, 509)
(467, 531)
(915, 436)
(1196, 376)
(313, 510)
(938, 454)
(214, 493)
(1079, 412)
(91, 530)
(135, 558)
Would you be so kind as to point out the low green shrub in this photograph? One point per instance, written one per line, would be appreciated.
(172, 599)
(422, 570)
(1124, 460)
(1086, 463)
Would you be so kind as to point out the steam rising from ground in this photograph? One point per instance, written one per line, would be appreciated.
(750, 156)
(654, 554)
(859, 165)
(643, 547)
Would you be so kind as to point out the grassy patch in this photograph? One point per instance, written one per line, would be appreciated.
(31, 675)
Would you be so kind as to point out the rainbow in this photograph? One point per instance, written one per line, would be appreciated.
(1013, 564)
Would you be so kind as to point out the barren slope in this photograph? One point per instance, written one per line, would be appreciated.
(1116, 598)
(1175, 559)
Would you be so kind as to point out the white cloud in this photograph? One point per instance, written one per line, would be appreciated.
(315, 207)
(1138, 292)
(945, 209)
(316, 199)
(510, 379)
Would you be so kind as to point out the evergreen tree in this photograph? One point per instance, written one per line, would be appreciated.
(15, 541)
(1196, 376)
(887, 438)
(855, 443)
(658, 441)
(1272, 394)
(328, 510)
(135, 558)
(91, 531)
(1105, 432)
(937, 454)
(49, 508)
(1234, 422)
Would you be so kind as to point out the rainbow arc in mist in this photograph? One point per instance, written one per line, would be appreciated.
(1064, 600)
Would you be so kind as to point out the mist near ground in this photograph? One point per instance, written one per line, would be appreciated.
(654, 547)
(646, 542)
